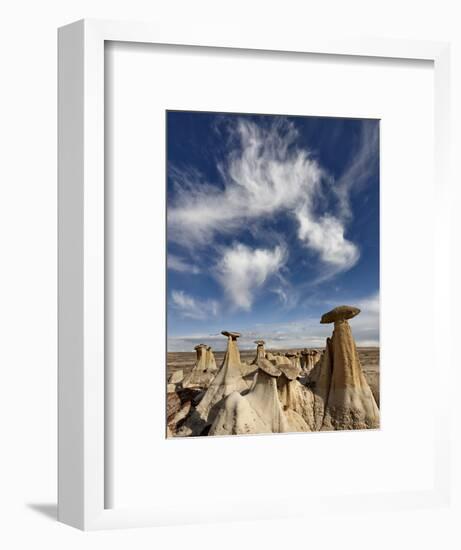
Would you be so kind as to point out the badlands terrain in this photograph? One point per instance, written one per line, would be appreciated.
(273, 391)
(369, 360)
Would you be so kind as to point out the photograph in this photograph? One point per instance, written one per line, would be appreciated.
(272, 274)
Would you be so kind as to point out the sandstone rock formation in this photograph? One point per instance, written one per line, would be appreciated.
(342, 397)
(177, 377)
(210, 361)
(290, 392)
(278, 359)
(260, 351)
(257, 412)
(319, 381)
(249, 370)
(297, 400)
(309, 358)
(173, 405)
(181, 414)
(204, 369)
(304, 360)
(294, 358)
(228, 379)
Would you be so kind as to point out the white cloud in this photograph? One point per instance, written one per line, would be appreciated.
(305, 332)
(370, 305)
(179, 264)
(242, 270)
(325, 235)
(366, 325)
(266, 174)
(191, 308)
(361, 166)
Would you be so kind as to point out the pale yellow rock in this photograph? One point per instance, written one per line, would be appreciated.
(343, 399)
(260, 410)
(295, 359)
(279, 359)
(295, 398)
(260, 351)
(204, 369)
(257, 412)
(309, 358)
(340, 313)
(248, 370)
(351, 404)
(171, 388)
(210, 361)
(177, 377)
(228, 379)
(319, 381)
(269, 368)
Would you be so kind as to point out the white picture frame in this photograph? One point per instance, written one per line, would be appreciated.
(82, 471)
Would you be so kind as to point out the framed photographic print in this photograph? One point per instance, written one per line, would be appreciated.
(267, 204)
(252, 235)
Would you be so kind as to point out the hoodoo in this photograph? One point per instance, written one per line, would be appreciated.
(227, 380)
(249, 370)
(210, 361)
(304, 360)
(309, 358)
(343, 399)
(297, 400)
(294, 358)
(260, 411)
(278, 359)
(201, 375)
(319, 381)
(260, 351)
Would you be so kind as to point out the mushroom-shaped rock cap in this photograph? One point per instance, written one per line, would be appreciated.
(268, 367)
(198, 346)
(289, 370)
(260, 342)
(290, 354)
(229, 334)
(340, 313)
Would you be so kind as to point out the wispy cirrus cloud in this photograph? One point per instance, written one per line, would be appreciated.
(266, 173)
(176, 263)
(189, 307)
(362, 164)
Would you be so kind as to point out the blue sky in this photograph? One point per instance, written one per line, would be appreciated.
(272, 221)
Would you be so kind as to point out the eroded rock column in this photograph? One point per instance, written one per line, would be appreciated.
(349, 404)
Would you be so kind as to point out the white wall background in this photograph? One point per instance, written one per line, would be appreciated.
(28, 269)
